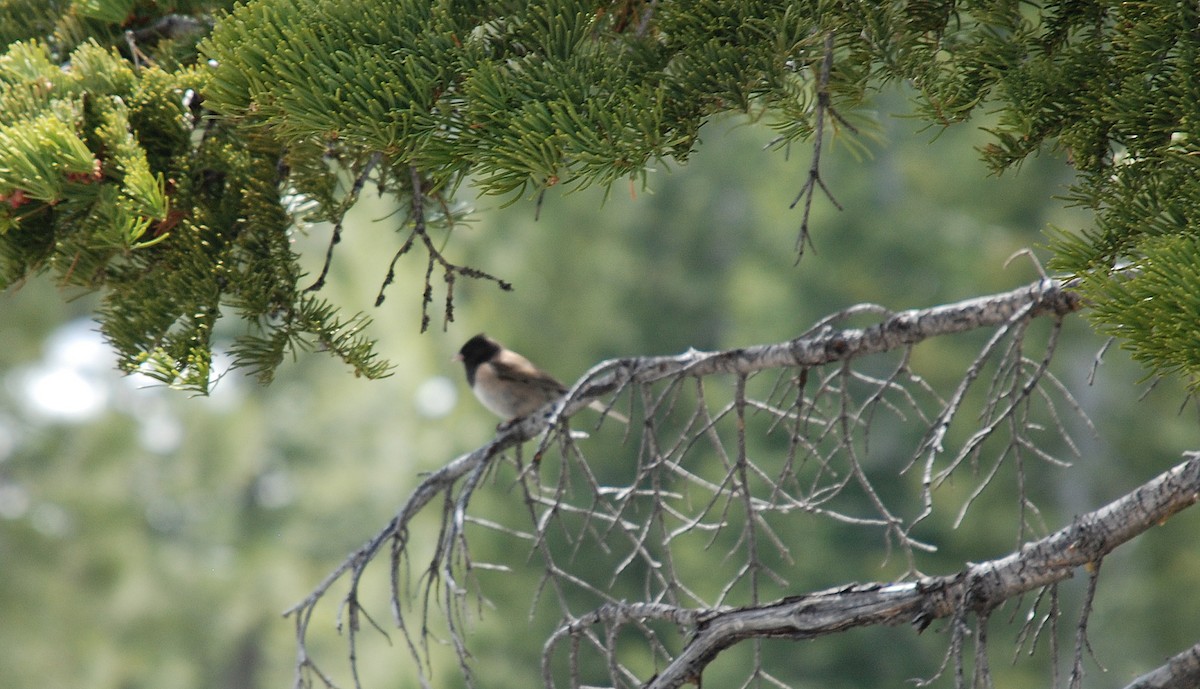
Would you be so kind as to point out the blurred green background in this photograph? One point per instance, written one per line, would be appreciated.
(150, 539)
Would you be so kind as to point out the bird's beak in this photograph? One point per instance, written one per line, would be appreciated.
(456, 357)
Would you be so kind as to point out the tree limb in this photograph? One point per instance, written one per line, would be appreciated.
(827, 345)
(824, 344)
(978, 588)
(1181, 671)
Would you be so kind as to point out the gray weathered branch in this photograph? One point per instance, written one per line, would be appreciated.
(812, 349)
(1181, 671)
(978, 588)
(822, 345)
(828, 345)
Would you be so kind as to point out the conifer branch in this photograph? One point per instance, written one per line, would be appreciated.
(542, 96)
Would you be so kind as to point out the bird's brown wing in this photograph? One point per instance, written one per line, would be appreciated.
(516, 369)
(527, 387)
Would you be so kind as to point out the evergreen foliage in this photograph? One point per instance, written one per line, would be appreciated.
(111, 179)
(131, 164)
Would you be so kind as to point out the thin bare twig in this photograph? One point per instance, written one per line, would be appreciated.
(824, 108)
(335, 238)
(434, 258)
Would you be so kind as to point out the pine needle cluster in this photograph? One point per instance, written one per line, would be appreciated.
(160, 155)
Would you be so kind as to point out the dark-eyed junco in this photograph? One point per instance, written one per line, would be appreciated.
(508, 384)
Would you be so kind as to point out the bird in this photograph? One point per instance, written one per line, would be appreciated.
(508, 384)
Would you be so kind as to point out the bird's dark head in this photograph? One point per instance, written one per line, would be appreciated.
(477, 350)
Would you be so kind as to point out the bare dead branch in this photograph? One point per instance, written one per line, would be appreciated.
(695, 478)
(434, 257)
(440, 481)
(828, 345)
(1181, 671)
(335, 238)
(1081, 638)
(824, 108)
(979, 587)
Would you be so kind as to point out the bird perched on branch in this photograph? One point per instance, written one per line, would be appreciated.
(508, 384)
